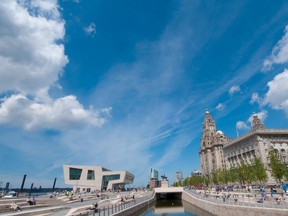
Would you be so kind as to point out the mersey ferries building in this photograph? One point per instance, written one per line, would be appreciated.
(91, 178)
(218, 151)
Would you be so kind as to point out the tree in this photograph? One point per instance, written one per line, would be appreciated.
(186, 182)
(233, 174)
(277, 165)
(259, 170)
(244, 173)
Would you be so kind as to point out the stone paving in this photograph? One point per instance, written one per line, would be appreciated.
(59, 205)
(246, 198)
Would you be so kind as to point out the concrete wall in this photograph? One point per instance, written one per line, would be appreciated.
(133, 209)
(228, 210)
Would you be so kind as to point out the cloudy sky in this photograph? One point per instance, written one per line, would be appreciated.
(125, 84)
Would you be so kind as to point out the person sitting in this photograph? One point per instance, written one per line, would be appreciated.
(15, 207)
(29, 201)
(278, 200)
(34, 200)
(94, 207)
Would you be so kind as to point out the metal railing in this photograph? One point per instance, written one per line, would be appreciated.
(242, 199)
(115, 208)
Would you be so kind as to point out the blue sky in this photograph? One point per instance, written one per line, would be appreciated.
(125, 84)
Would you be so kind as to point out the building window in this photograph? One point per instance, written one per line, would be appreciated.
(74, 173)
(107, 178)
(91, 175)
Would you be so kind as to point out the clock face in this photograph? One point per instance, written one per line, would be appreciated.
(211, 127)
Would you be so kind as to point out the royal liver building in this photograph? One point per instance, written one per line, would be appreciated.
(218, 151)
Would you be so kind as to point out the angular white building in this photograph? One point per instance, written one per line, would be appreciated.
(91, 178)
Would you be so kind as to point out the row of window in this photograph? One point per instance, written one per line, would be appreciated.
(75, 174)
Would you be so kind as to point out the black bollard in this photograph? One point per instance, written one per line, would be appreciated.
(31, 189)
(54, 184)
(23, 182)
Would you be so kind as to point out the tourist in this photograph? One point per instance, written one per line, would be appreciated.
(29, 201)
(15, 206)
(284, 190)
(34, 200)
(278, 200)
(94, 207)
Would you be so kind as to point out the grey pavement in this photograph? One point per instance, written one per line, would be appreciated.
(61, 206)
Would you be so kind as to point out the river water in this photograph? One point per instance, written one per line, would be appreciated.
(172, 208)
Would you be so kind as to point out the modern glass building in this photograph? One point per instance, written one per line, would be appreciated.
(153, 174)
(153, 180)
(91, 178)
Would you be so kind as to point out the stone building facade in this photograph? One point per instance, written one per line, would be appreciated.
(212, 142)
(216, 147)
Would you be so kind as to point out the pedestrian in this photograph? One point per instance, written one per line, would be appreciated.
(34, 200)
(15, 207)
(284, 189)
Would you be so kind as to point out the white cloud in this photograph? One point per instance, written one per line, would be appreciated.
(91, 29)
(261, 115)
(256, 99)
(32, 58)
(279, 53)
(234, 89)
(61, 114)
(240, 125)
(220, 107)
(277, 95)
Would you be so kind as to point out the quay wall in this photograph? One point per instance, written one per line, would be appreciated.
(228, 210)
(133, 209)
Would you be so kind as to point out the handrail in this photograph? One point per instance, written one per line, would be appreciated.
(241, 200)
(115, 208)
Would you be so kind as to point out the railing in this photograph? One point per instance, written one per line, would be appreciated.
(115, 208)
(242, 199)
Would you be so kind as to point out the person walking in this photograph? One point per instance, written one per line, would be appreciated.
(284, 189)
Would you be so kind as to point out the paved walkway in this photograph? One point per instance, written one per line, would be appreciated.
(244, 198)
(60, 205)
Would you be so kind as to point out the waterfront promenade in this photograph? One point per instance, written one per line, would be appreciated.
(242, 198)
(236, 203)
(216, 203)
(63, 205)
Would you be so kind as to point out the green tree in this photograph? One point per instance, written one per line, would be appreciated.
(243, 173)
(277, 165)
(225, 176)
(186, 181)
(233, 174)
(260, 171)
(195, 180)
(214, 177)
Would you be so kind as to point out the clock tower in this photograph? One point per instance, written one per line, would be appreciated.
(211, 144)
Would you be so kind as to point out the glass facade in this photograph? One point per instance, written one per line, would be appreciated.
(74, 173)
(153, 174)
(107, 178)
(91, 175)
(105, 170)
(129, 178)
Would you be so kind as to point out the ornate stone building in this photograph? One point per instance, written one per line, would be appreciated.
(212, 142)
(218, 151)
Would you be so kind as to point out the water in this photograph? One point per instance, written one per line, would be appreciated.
(172, 208)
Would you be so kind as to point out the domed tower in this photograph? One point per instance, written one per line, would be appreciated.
(211, 144)
(256, 123)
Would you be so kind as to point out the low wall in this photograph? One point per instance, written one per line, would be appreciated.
(133, 209)
(228, 210)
